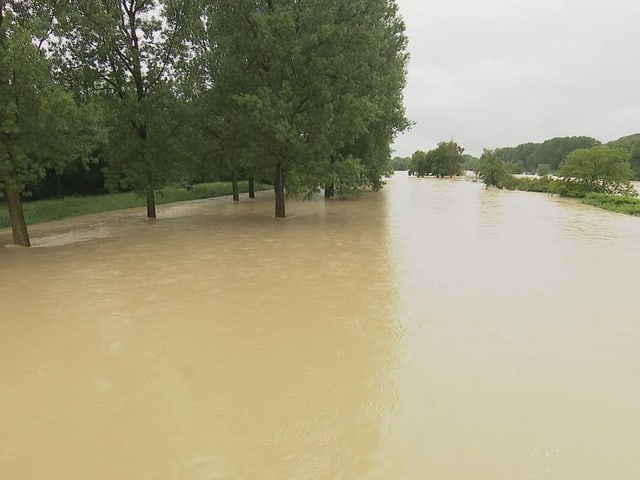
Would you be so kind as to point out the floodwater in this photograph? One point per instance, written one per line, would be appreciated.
(434, 330)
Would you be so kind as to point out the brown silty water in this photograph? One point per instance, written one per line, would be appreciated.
(431, 330)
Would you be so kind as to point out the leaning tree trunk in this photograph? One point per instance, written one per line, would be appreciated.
(16, 216)
(252, 188)
(278, 188)
(234, 184)
(329, 191)
(151, 203)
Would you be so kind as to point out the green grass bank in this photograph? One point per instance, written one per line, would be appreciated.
(56, 209)
(615, 203)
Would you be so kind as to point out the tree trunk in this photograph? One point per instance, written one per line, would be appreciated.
(329, 191)
(234, 184)
(252, 188)
(278, 188)
(151, 204)
(16, 216)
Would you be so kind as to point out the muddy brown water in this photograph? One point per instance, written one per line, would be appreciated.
(431, 330)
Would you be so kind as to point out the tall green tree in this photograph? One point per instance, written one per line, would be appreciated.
(40, 124)
(421, 164)
(315, 87)
(444, 160)
(492, 169)
(449, 159)
(131, 50)
(603, 167)
(631, 143)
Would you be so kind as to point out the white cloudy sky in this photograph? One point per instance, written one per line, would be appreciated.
(492, 73)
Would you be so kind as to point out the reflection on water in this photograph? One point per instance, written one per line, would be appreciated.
(432, 330)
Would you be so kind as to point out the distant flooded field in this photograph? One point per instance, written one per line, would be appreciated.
(432, 330)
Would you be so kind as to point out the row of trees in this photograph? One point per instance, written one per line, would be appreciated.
(541, 158)
(548, 155)
(527, 156)
(307, 94)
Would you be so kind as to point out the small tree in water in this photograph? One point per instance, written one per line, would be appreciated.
(492, 169)
(603, 168)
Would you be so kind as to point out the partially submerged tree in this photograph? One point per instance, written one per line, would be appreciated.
(444, 160)
(40, 124)
(315, 87)
(492, 169)
(129, 50)
(604, 168)
(420, 164)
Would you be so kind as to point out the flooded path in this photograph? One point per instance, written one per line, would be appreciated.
(432, 330)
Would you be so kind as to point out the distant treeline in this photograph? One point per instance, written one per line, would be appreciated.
(543, 157)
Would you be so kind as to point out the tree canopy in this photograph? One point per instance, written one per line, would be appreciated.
(527, 156)
(445, 160)
(605, 167)
(129, 51)
(492, 168)
(305, 94)
(630, 143)
(41, 125)
(313, 89)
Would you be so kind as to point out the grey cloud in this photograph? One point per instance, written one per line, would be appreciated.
(503, 72)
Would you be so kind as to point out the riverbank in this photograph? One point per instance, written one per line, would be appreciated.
(55, 209)
(626, 201)
(615, 203)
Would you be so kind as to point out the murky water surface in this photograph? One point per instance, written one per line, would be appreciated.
(432, 330)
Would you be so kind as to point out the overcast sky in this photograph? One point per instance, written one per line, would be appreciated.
(494, 73)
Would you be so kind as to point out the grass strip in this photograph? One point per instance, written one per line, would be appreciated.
(615, 203)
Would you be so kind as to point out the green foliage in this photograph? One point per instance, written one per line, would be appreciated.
(314, 87)
(41, 125)
(604, 167)
(615, 203)
(532, 184)
(192, 89)
(630, 143)
(400, 163)
(130, 52)
(563, 187)
(543, 169)
(492, 169)
(571, 189)
(469, 162)
(444, 160)
(527, 156)
(420, 164)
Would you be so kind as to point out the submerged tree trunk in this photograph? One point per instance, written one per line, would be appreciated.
(329, 191)
(252, 188)
(151, 204)
(278, 188)
(234, 184)
(16, 216)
